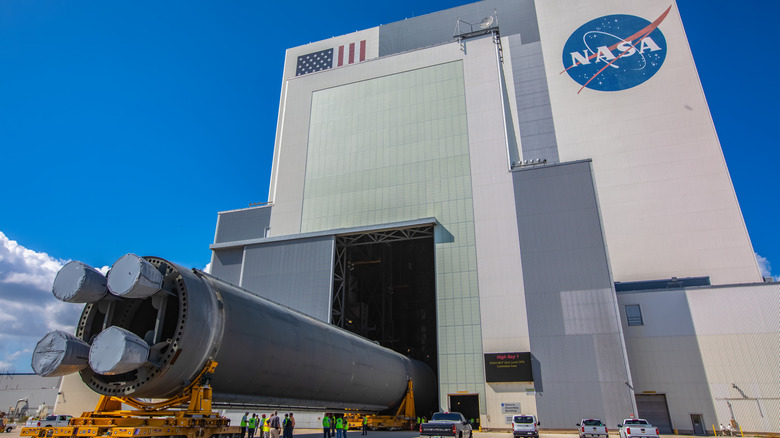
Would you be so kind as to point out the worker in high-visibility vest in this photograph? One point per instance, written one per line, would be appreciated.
(340, 427)
(243, 424)
(325, 426)
(264, 429)
(251, 424)
(365, 425)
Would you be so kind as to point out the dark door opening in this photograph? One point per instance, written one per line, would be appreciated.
(698, 424)
(468, 405)
(384, 290)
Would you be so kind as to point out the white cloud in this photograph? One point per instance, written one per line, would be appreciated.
(765, 267)
(29, 310)
(207, 269)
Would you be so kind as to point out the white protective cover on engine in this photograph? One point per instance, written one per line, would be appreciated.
(116, 351)
(79, 283)
(133, 277)
(58, 354)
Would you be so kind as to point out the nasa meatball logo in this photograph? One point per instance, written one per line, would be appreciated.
(615, 52)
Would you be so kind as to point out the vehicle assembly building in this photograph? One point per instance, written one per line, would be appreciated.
(529, 197)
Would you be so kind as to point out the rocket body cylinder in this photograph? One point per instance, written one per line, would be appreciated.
(267, 354)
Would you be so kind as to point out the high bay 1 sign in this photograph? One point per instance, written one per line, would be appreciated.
(615, 52)
(508, 367)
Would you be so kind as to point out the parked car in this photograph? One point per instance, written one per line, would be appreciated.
(637, 428)
(592, 427)
(49, 421)
(446, 424)
(525, 425)
(8, 427)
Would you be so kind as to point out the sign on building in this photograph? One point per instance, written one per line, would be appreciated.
(508, 367)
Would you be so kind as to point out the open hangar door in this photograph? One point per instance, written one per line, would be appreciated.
(468, 405)
(384, 290)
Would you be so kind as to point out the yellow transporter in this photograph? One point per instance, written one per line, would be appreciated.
(404, 418)
(169, 418)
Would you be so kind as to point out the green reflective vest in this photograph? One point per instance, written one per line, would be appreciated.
(325, 422)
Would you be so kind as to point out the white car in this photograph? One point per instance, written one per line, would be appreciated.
(592, 428)
(638, 428)
(49, 421)
(525, 425)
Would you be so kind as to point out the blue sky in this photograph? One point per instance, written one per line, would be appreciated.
(126, 126)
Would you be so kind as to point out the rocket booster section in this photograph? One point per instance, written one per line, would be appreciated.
(161, 324)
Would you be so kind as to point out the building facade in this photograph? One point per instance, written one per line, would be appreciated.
(495, 189)
(28, 395)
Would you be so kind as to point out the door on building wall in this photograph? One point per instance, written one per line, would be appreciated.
(653, 408)
(468, 405)
(698, 424)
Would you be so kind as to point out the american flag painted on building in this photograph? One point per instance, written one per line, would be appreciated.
(324, 59)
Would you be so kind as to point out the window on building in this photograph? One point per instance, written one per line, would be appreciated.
(634, 314)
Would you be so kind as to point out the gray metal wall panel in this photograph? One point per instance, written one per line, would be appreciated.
(534, 112)
(575, 334)
(227, 264)
(514, 17)
(36, 389)
(295, 273)
(244, 224)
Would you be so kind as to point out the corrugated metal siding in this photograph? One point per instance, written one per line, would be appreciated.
(34, 388)
(514, 17)
(534, 112)
(296, 273)
(574, 329)
(244, 224)
(652, 407)
(227, 264)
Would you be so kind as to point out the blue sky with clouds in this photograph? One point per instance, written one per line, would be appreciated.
(126, 126)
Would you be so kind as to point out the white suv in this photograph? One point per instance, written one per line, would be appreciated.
(525, 425)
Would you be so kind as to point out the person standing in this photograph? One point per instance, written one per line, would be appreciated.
(365, 425)
(325, 426)
(259, 428)
(243, 424)
(275, 424)
(344, 426)
(292, 424)
(286, 426)
(266, 428)
(251, 424)
(332, 425)
(339, 425)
